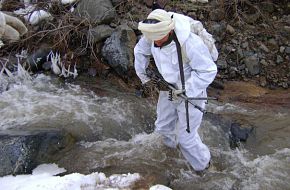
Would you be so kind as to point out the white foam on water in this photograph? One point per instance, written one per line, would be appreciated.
(126, 149)
(269, 171)
(41, 100)
(214, 107)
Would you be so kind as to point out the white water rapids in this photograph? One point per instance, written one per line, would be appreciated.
(113, 136)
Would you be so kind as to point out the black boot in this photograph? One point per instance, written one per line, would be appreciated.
(201, 173)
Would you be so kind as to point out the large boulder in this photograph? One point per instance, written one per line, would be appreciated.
(97, 11)
(21, 151)
(118, 49)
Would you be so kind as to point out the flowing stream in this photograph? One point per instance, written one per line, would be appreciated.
(114, 132)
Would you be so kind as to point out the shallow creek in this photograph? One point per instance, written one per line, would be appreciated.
(114, 130)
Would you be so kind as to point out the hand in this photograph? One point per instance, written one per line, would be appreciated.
(147, 88)
(161, 85)
(176, 94)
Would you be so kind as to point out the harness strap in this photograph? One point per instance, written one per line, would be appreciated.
(179, 53)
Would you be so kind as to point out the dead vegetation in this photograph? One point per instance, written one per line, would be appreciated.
(66, 33)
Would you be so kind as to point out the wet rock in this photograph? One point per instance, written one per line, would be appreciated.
(22, 150)
(97, 11)
(118, 50)
(239, 133)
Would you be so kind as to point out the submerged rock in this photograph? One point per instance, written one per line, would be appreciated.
(22, 151)
(238, 134)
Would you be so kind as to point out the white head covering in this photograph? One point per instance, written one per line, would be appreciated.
(158, 30)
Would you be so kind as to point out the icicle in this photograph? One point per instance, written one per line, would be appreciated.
(75, 73)
(22, 73)
(55, 59)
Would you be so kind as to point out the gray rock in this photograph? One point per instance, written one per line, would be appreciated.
(239, 133)
(230, 29)
(279, 59)
(282, 49)
(222, 64)
(248, 53)
(264, 62)
(287, 50)
(217, 29)
(264, 48)
(100, 33)
(252, 64)
(285, 31)
(245, 45)
(233, 72)
(97, 11)
(118, 50)
(272, 43)
(241, 67)
(22, 150)
(240, 53)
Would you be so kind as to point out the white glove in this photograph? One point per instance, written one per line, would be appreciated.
(176, 94)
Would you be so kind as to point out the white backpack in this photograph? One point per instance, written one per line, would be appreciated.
(198, 29)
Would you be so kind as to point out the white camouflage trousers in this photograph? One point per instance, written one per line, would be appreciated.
(173, 113)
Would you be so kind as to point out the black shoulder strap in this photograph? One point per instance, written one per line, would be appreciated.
(178, 48)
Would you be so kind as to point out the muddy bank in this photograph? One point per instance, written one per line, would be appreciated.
(252, 95)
